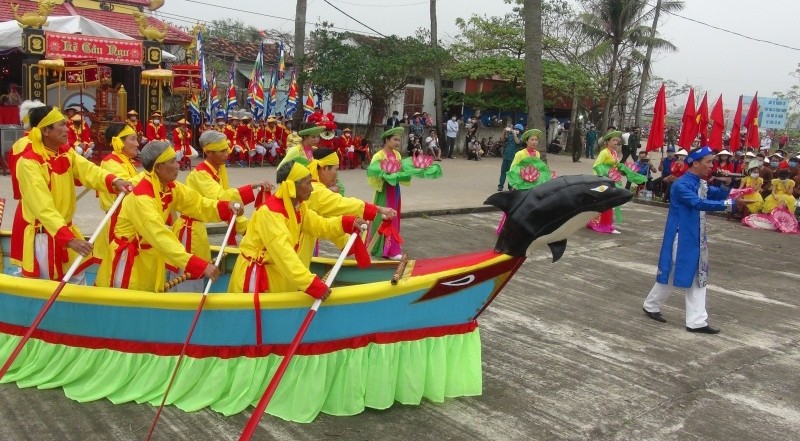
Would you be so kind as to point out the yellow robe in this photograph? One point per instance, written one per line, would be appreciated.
(47, 205)
(522, 154)
(293, 139)
(205, 180)
(327, 203)
(781, 192)
(141, 233)
(755, 198)
(116, 166)
(269, 249)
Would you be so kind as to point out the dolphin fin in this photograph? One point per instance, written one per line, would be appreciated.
(558, 248)
(506, 200)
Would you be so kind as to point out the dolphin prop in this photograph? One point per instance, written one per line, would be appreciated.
(551, 212)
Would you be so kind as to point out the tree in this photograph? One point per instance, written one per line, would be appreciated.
(616, 27)
(300, 57)
(373, 69)
(666, 6)
(533, 64)
(437, 73)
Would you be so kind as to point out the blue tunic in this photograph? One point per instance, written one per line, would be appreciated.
(684, 216)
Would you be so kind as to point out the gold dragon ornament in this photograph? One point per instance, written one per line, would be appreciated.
(149, 31)
(33, 19)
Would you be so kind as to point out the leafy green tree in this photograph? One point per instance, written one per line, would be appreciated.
(375, 69)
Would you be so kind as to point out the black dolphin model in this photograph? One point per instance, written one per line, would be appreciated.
(551, 212)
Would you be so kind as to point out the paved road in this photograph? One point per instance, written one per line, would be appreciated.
(567, 353)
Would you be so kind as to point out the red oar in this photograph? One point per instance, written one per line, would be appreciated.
(194, 322)
(252, 423)
(61, 285)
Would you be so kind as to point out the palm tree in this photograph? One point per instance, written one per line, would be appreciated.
(617, 26)
(533, 66)
(666, 6)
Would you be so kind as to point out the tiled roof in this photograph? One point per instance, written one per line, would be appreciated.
(245, 50)
(118, 21)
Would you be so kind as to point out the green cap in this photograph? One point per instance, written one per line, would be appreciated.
(315, 130)
(532, 132)
(391, 132)
(611, 135)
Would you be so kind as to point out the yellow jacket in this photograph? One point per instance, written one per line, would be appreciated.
(145, 244)
(522, 154)
(205, 180)
(47, 205)
(269, 253)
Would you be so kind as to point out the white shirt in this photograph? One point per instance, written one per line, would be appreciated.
(431, 141)
(625, 137)
(452, 128)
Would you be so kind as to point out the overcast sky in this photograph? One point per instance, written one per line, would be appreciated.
(716, 61)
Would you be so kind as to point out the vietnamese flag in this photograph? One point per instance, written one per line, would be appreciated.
(655, 140)
(688, 123)
(736, 129)
(752, 138)
(702, 120)
(717, 125)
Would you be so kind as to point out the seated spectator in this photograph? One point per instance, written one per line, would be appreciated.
(413, 146)
(363, 152)
(767, 175)
(432, 145)
(679, 167)
(662, 184)
(722, 162)
(483, 146)
(754, 181)
(643, 167)
(555, 146)
(474, 150)
(781, 195)
(493, 149)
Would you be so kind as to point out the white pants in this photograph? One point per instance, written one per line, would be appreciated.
(696, 314)
(40, 253)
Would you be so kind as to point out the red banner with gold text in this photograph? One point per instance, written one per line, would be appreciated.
(104, 50)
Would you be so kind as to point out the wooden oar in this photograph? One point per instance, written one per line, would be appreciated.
(61, 285)
(401, 267)
(194, 322)
(252, 423)
(82, 194)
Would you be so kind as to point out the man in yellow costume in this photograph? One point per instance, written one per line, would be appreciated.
(143, 244)
(45, 241)
(269, 261)
(211, 180)
(124, 141)
(21, 144)
(328, 203)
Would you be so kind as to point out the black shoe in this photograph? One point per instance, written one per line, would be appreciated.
(499, 188)
(655, 316)
(704, 330)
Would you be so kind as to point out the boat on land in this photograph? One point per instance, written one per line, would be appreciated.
(372, 343)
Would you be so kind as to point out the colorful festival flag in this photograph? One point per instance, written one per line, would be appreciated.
(688, 123)
(232, 90)
(717, 125)
(655, 140)
(309, 105)
(752, 139)
(736, 129)
(291, 98)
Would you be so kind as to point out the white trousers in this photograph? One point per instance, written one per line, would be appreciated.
(696, 314)
(40, 253)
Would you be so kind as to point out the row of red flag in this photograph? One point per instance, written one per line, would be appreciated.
(696, 121)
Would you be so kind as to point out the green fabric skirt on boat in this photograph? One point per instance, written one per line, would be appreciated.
(341, 383)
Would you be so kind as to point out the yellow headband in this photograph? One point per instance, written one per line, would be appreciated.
(35, 134)
(314, 165)
(165, 156)
(288, 190)
(117, 143)
(217, 146)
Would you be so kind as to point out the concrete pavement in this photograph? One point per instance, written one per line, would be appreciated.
(567, 353)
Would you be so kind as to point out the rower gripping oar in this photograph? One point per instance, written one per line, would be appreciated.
(61, 285)
(217, 261)
(252, 423)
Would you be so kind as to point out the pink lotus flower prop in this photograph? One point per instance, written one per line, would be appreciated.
(422, 161)
(615, 175)
(390, 165)
(529, 174)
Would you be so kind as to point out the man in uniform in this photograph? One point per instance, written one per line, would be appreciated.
(269, 260)
(182, 142)
(79, 137)
(45, 241)
(156, 131)
(135, 124)
(238, 151)
(143, 244)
